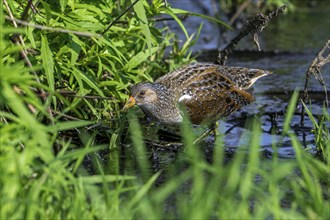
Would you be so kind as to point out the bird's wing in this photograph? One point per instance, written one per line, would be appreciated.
(243, 77)
(183, 76)
(210, 95)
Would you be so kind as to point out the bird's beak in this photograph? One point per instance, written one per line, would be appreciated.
(130, 102)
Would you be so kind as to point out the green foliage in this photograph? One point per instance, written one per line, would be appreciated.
(97, 65)
(321, 132)
(68, 55)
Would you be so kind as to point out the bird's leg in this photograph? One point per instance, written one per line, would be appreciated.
(206, 133)
(213, 128)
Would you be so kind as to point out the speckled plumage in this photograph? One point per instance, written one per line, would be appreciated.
(207, 92)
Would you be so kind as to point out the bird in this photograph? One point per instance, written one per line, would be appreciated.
(205, 91)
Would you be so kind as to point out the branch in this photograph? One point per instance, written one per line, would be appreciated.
(253, 25)
(314, 69)
(26, 11)
(66, 93)
(73, 94)
(41, 27)
(239, 11)
(114, 21)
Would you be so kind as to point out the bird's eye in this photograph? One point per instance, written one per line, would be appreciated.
(142, 92)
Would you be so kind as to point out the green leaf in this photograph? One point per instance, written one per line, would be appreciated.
(63, 4)
(139, 58)
(47, 62)
(290, 111)
(170, 12)
(75, 45)
(48, 11)
(141, 14)
(29, 34)
(105, 178)
(180, 11)
(95, 9)
(143, 191)
(62, 126)
(81, 75)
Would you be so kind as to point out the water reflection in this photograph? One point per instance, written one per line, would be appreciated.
(305, 29)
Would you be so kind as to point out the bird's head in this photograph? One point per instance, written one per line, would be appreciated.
(143, 94)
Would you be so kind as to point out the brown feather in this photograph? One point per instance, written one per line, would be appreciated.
(213, 95)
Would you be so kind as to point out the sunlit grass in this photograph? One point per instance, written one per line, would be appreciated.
(248, 186)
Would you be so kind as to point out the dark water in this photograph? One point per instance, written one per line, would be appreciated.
(304, 30)
(291, 43)
(273, 94)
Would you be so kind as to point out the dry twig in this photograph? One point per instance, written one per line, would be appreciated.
(314, 69)
(117, 19)
(73, 94)
(254, 26)
(243, 6)
(61, 30)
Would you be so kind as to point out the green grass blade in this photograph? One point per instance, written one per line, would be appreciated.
(139, 58)
(141, 14)
(63, 126)
(170, 12)
(143, 191)
(181, 11)
(91, 82)
(138, 144)
(105, 178)
(47, 62)
(290, 112)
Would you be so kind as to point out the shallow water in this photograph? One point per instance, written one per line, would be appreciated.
(273, 94)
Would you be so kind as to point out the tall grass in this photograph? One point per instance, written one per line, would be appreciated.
(48, 115)
(246, 187)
